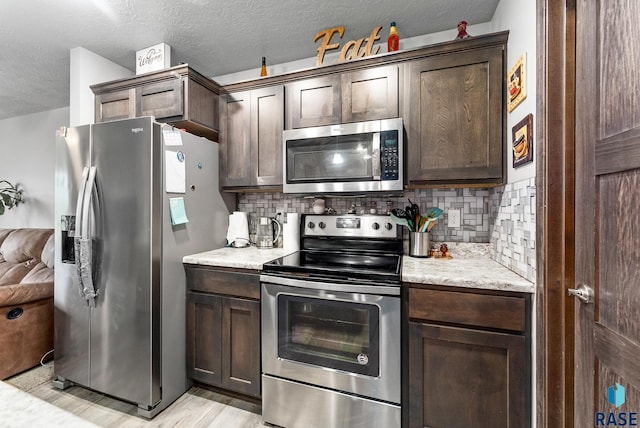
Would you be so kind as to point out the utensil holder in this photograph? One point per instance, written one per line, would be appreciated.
(419, 244)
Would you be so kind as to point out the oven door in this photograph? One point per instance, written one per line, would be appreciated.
(342, 340)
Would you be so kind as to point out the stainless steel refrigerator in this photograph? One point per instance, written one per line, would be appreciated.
(132, 197)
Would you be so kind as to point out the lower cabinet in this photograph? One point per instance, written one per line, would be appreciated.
(223, 329)
(469, 363)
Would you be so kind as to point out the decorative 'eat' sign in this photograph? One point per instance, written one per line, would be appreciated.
(350, 50)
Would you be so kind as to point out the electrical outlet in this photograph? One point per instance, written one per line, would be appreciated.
(453, 218)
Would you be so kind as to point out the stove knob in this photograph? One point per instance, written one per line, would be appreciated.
(376, 226)
(311, 225)
(322, 225)
(388, 226)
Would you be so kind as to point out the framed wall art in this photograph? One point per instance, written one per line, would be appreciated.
(516, 83)
(522, 144)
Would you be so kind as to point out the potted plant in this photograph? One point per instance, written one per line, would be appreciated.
(10, 196)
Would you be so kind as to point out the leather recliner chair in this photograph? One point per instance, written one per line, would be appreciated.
(26, 298)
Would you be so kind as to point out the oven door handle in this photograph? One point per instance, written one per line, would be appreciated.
(384, 290)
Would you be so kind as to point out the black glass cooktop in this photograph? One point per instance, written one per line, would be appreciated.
(337, 265)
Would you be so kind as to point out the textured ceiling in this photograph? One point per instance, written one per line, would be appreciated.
(215, 37)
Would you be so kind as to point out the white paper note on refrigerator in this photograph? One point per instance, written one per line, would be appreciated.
(175, 171)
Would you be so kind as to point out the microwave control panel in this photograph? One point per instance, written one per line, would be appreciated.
(389, 155)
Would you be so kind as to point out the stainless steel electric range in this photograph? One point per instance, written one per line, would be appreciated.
(331, 326)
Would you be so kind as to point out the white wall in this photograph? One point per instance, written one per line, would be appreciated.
(27, 157)
(519, 17)
(27, 146)
(86, 69)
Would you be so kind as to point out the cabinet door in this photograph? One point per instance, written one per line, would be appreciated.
(267, 123)
(370, 94)
(201, 105)
(241, 346)
(204, 338)
(115, 105)
(235, 140)
(160, 99)
(314, 102)
(461, 377)
(456, 127)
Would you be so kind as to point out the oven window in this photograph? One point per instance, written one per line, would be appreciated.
(328, 333)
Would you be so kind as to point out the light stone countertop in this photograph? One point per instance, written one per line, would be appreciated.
(470, 267)
(242, 258)
(481, 273)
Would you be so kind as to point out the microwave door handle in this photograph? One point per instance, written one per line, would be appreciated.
(375, 156)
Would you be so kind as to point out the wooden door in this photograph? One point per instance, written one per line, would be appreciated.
(267, 123)
(607, 239)
(235, 140)
(370, 94)
(456, 128)
(241, 346)
(314, 102)
(204, 338)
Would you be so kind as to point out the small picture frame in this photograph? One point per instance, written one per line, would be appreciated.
(522, 143)
(516, 83)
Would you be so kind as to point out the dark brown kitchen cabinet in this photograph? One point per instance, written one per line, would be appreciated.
(456, 127)
(354, 96)
(223, 328)
(370, 94)
(178, 95)
(251, 138)
(469, 361)
(314, 102)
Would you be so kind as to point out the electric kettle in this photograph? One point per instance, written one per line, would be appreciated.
(265, 230)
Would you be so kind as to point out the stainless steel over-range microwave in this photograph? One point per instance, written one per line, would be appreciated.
(348, 158)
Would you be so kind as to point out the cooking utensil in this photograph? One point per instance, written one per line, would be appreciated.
(398, 220)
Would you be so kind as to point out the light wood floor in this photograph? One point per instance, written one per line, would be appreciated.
(198, 407)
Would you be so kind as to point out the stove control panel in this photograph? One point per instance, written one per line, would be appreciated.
(350, 225)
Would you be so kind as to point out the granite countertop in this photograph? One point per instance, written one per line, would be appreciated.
(243, 258)
(469, 267)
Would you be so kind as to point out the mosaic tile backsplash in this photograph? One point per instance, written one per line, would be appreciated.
(503, 217)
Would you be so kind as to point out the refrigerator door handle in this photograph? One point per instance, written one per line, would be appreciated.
(86, 241)
(78, 236)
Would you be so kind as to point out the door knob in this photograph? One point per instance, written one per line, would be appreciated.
(582, 292)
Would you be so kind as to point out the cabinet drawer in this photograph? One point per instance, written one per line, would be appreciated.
(115, 105)
(225, 282)
(161, 99)
(480, 310)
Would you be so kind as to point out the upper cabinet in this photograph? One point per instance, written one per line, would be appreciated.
(451, 97)
(456, 118)
(370, 94)
(354, 96)
(314, 102)
(251, 138)
(178, 95)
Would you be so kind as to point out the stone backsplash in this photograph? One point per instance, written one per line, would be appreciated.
(513, 227)
(473, 203)
(503, 217)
